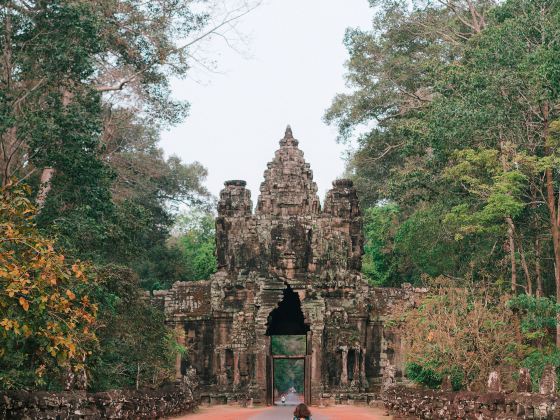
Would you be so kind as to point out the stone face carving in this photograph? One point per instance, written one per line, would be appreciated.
(494, 382)
(524, 383)
(548, 381)
(288, 254)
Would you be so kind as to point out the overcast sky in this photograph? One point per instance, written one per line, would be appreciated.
(292, 67)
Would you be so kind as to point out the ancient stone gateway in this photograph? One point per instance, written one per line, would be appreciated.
(291, 267)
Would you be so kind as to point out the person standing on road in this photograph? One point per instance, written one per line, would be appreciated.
(302, 412)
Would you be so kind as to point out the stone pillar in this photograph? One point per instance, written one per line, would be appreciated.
(180, 334)
(316, 361)
(260, 373)
(344, 374)
(235, 199)
(356, 369)
(363, 377)
(388, 381)
(236, 376)
(222, 376)
(342, 202)
(446, 384)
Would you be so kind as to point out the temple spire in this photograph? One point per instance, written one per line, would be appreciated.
(288, 139)
(288, 188)
(288, 134)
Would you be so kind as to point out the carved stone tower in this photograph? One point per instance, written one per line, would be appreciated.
(288, 268)
(289, 236)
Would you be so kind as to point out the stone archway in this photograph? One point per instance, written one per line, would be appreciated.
(287, 318)
(287, 321)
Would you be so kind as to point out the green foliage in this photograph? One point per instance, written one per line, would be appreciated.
(288, 345)
(431, 378)
(113, 196)
(496, 194)
(196, 240)
(423, 375)
(537, 360)
(454, 327)
(377, 263)
(454, 118)
(288, 373)
(538, 318)
(398, 251)
(135, 347)
(425, 245)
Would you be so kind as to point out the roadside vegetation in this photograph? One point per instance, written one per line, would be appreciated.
(453, 116)
(88, 198)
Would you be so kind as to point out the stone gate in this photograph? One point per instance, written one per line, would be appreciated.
(289, 267)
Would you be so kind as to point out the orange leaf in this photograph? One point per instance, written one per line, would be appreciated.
(70, 294)
(24, 303)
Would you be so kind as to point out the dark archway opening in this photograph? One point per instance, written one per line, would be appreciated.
(287, 318)
(288, 359)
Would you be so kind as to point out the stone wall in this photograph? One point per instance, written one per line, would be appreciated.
(143, 404)
(430, 404)
(492, 404)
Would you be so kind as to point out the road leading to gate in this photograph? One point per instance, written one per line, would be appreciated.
(292, 398)
(340, 412)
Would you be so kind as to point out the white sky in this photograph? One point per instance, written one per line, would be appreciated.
(295, 68)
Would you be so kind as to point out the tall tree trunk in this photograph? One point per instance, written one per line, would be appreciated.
(529, 288)
(511, 241)
(48, 172)
(8, 142)
(8, 138)
(45, 187)
(554, 228)
(538, 267)
(511, 226)
(137, 376)
(536, 227)
(551, 202)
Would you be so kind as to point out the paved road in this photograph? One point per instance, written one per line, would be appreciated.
(292, 398)
(344, 412)
(283, 413)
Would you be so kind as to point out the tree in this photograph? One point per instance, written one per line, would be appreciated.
(378, 264)
(503, 96)
(147, 191)
(196, 240)
(81, 80)
(49, 51)
(391, 69)
(120, 49)
(135, 347)
(48, 319)
(460, 123)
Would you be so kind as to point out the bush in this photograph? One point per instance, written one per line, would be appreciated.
(468, 331)
(465, 332)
